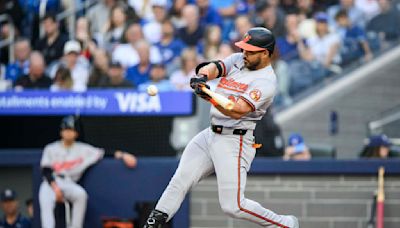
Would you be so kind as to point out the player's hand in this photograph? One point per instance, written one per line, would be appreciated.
(198, 80)
(129, 160)
(58, 192)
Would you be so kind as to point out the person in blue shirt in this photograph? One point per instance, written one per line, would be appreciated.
(169, 46)
(158, 77)
(208, 14)
(21, 65)
(354, 39)
(12, 217)
(140, 73)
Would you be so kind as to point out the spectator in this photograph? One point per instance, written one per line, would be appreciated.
(306, 8)
(296, 149)
(208, 14)
(63, 163)
(354, 40)
(22, 49)
(152, 28)
(175, 13)
(62, 80)
(144, 8)
(98, 16)
(12, 216)
(325, 46)
(368, 7)
(99, 71)
(271, 17)
(227, 10)
(158, 77)
(52, 44)
(127, 53)
(85, 38)
(356, 16)
(181, 78)
(242, 25)
(169, 46)
(36, 78)
(192, 32)
(13, 9)
(116, 77)
(378, 146)
(116, 27)
(140, 73)
(29, 208)
(386, 23)
(224, 51)
(293, 54)
(77, 64)
(212, 41)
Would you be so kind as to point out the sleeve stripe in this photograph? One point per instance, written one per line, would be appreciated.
(224, 67)
(248, 102)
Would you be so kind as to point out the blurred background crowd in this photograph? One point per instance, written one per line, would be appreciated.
(61, 45)
(78, 45)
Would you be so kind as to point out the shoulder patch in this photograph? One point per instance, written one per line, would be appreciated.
(255, 94)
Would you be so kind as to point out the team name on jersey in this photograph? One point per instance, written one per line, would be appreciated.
(231, 84)
(67, 165)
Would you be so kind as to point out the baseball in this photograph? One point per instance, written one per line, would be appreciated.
(152, 90)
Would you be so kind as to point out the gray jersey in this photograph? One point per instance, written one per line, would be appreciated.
(256, 87)
(71, 162)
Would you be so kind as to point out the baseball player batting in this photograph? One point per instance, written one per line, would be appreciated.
(226, 148)
(63, 163)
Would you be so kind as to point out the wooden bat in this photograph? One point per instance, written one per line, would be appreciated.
(380, 199)
(219, 99)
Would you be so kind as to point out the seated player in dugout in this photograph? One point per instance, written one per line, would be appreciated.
(297, 148)
(63, 164)
(227, 148)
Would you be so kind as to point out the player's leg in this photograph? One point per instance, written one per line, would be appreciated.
(75, 194)
(232, 156)
(194, 164)
(47, 201)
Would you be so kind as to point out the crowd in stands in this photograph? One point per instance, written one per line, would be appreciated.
(133, 43)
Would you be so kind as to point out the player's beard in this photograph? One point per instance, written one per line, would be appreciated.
(252, 65)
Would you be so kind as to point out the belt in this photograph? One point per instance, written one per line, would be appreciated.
(227, 131)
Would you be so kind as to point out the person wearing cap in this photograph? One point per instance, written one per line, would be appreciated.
(12, 217)
(324, 47)
(63, 163)
(77, 64)
(296, 149)
(115, 77)
(227, 147)
(52, 44)
(377, 146)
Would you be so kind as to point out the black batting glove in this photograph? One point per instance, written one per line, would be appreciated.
(199, 92)
(198, 80)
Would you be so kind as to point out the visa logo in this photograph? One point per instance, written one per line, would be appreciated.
(138, 102)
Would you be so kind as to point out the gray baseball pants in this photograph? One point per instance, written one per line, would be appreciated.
(73, 193)
(230, 157)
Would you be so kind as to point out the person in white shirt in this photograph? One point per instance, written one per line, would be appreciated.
(126, 53)
(181, 78)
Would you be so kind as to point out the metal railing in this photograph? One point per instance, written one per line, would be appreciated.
(387, 117)
(10, 39)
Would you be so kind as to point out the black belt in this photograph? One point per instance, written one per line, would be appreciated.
(219, 129)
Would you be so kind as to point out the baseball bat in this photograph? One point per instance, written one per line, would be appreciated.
(380, 199)
(221, 100)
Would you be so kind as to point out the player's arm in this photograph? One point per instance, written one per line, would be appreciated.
(240, 109)
(47, 173)
(212, 70)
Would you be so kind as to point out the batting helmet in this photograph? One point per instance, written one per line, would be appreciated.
(69, 122)
(257, 39)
